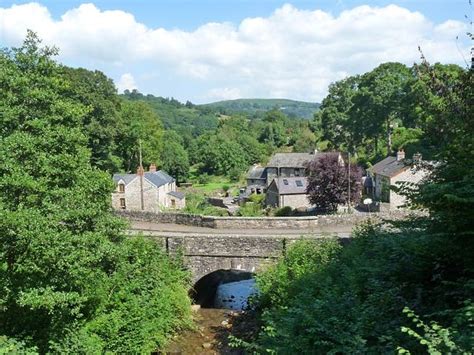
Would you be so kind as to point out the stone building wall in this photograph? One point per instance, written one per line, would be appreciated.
(295, 201)
(409, 175)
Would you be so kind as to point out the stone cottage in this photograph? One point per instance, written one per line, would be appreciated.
(393, 170)
(288, 191)
(150, 191)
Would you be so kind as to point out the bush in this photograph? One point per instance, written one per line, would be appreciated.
(284, 212)
(322, 298)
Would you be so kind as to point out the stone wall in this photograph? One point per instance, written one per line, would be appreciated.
(260, 222)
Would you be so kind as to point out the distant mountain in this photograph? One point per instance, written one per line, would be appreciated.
(291, 108)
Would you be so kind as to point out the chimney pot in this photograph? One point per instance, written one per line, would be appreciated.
(417, 157)
(400, 155)
(140, 171)
(152, 168)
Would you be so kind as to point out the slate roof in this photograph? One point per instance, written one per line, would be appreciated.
(157, 178)
(390, 167)
(176, 194)
(291, 185)
(289, 160)
(257, 172)
(127, 178)
(295, 160)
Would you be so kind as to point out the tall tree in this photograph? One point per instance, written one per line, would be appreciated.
(380, 99)
(70, 281)
(174, 159)
(97, 94)
(139, 125)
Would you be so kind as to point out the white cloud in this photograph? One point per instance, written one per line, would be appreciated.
(223, 94)
(126, 82)
(291, 53)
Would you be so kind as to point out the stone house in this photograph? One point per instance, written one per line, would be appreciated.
(290, 167)
(257, 180)
(283, 165)
(393, 170)
(288, 191)
(157, 188)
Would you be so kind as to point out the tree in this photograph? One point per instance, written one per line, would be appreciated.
(138, 123)
(334, 115)
(97, 94)
(174, 158)
(380, 99)
(70, 281)
(328, 182)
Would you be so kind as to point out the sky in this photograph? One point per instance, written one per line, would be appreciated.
(211, 50)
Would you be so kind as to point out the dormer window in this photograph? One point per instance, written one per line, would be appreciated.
(121, 187)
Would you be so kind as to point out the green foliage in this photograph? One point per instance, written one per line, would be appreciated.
(139, 125)
(284, 212)
(174, 158)
(254, 106)
(324, 298)
(254, 207)
(197, 204)
(70, 281)
(12, 346)
(436, 338)
(392, 106)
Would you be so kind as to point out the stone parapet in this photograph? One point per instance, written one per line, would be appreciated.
(262, 222)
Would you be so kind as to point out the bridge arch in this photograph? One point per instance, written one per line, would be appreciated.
(204, 290)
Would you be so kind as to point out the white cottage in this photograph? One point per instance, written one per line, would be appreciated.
(150, 191)
(392, 170)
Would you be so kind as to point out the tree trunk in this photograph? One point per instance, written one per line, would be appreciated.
(389, 137)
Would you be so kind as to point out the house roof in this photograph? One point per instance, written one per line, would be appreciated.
(290, 160)
(157, 178)
(390, 167)
(257, 172)
(176, 194)
(295, 160)
(291, 185)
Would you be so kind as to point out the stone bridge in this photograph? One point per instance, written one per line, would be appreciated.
(205, 254)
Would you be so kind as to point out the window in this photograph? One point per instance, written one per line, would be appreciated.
(121, 187)
(173, 203)
(299, 183)
(122, 203)
(297, 172)
(285, 181)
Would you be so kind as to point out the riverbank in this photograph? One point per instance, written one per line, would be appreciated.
(213, 327)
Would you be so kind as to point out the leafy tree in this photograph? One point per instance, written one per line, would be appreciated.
(218, 155)
(306, 141)
(97, 94)
(334, 116)
(380, 100)
(139, 124)
(70, 281)
(328, 182)
(174, 158)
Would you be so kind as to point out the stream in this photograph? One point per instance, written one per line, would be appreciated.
(214, 324)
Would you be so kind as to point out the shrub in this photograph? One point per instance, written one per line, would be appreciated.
(284, 212)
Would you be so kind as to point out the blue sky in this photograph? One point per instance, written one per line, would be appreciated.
(210, 50)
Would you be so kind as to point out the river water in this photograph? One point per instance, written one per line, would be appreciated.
(213, 325)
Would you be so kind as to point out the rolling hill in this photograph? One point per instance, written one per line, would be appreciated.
(292, 108)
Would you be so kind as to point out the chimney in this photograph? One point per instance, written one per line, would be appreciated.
(140, 171)
(400, 155)
(152, 168)
(416, 157)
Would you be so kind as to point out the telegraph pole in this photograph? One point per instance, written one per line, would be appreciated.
(348, 181)
(141, 173)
